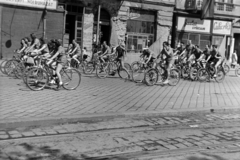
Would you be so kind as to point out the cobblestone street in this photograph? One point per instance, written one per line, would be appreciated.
(114, 96)
(159, 137)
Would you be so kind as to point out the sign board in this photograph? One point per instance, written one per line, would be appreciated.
(48, 4)
(222, 27)
(193, 25)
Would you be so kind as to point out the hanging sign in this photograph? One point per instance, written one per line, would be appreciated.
(193, 25)
(222, 27)
(48, 4)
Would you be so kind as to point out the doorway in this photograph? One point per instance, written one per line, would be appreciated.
(104, 26)
(237, 45)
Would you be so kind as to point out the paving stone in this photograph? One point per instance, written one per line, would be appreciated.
(16, 135)
(4, 136)
(28, 134)
(50, 131)
(171, 147)
(206, 142)
(13, 132)
(188, 144)
(162, 142)
(180, 145)
(62, 131)
(2, 132)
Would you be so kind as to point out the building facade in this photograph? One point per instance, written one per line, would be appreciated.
(140, 23)
(188, 24)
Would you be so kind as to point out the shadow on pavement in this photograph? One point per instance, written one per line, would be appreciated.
(25, 151)
(208, 157)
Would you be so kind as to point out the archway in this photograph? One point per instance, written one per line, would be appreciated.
(104, 26)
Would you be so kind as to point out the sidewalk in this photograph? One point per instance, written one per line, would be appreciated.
(101, 98)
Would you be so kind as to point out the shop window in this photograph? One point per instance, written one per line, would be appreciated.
(194, 38)
(204, 40)
(217, 40)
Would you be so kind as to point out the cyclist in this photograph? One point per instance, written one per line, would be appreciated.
(167, 55)
(70, 48)
(180, 49)
(215, 58)
(84, 53)
(148, 56)
(205, 54)
(76, 51)
(121, 54)
(43, 50)
(35, 44)
(61, 59)
(105, 52)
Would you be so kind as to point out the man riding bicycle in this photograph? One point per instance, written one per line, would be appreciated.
(148, 56)
(215, 58)
(167, 55)
(76, 51)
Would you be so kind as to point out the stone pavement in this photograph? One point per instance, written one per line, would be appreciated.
(113, 96)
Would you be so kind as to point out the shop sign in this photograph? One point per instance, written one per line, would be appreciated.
(222, 27)
(193, 25)
(48, 4)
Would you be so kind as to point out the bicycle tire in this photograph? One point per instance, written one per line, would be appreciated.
(226, 68)
(237, 72)
(102, 70)
(202, 75)
(71, 78)
(220, 76)
(2, 66)
(40, 75)
(89, 68)
(135, 66)
(9, 68)
(174, 74)
(123, 73)
(193, 74)
(151, 77)
(185, 72)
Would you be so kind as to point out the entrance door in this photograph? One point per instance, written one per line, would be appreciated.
(237, 45)
(78, 31)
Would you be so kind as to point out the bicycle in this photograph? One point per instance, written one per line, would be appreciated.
(208, 73)
(138, 70)
(110, 68)
(153, 75)
(38, 77)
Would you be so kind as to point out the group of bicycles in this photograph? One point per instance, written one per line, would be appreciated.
(39, 75)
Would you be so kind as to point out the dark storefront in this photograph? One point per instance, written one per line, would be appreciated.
(18, 22)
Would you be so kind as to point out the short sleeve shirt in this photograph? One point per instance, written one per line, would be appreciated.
(120, 52)
(148, 52)
(197, 52)
(213, 54)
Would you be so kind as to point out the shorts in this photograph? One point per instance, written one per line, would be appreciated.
(85, 57)
(169, 63)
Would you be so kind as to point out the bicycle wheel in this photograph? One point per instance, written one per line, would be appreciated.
(71, 78)
(19, 70)
(135, 66)
(89, 68)
(193, 73)
(102, 70)
(203, 75)
(138, 75)
(123, 73)
(220, 76)
(36, 79)
(151, 77)
(174, 77)
(185, 72)
(127, 66)
(9, 67)
(2, 66)
(237, 71)
(226, 68)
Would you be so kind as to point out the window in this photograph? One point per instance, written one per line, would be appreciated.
(225, 5)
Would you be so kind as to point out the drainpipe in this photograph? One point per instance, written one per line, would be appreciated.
(98, 21)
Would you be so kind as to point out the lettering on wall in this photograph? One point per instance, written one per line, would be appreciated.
(222, 27)
(193, 25)
(48, 4)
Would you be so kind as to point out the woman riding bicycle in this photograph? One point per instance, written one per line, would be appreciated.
(61, 59)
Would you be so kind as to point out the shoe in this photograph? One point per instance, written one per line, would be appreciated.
(52, 82)
(166, 82)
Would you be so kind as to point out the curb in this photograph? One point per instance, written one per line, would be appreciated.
(46, 121)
